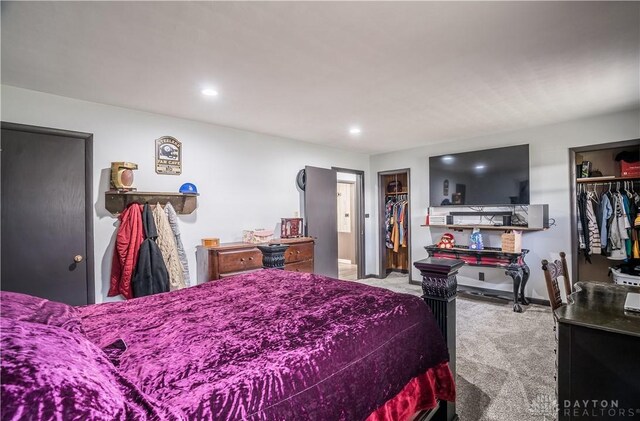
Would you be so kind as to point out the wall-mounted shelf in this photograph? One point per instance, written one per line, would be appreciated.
(115, 202)
(486, 227)
(605, 179)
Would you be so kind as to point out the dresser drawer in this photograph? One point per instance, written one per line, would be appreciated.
(239, 260)
(306, 267)
(298, 253)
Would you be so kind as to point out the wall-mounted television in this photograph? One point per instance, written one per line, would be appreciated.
(490, 177)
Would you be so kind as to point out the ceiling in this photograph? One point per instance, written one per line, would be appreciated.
(407, 73)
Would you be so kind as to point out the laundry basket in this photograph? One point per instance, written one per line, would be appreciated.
(624, 279)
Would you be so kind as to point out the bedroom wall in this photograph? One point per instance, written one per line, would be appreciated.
(550, 183)
(245, 179)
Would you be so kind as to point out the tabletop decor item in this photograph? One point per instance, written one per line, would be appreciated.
(512, 242)
(290, 227)
(257, 236)
(211, 242)
(122, 176)
(447, 241)
(475, 240)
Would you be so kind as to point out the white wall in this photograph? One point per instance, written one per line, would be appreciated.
(550, 183)
(246, 180)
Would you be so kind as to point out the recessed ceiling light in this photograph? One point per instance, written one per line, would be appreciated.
(355, 130)
(479, 167)
(209, 92)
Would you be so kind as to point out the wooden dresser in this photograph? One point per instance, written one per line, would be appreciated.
(229, 259)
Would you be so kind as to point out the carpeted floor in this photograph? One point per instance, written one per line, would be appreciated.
(505, 360)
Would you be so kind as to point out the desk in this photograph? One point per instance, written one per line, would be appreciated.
(598, 356)
(492, 257)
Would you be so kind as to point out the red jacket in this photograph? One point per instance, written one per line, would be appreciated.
(125, 252)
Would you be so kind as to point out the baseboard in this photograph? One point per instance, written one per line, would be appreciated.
(539, 301)
(402, 271)
(497, 294)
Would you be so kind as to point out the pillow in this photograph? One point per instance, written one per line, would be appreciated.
(50, 373)
(27, 308)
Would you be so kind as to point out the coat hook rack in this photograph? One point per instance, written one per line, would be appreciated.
(184, 204)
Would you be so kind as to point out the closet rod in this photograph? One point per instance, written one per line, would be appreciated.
(612, 183)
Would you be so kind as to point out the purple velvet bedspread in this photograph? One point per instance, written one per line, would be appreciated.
(271, 345)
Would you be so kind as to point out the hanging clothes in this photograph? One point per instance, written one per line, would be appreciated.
(396, 223)
(606, 211)
(125, 252)
(167, 245)
(618, 231)
(582, 243)
(151, 276)
(396, 228)
(173, 221)
(403, 224)
(583, 231)
(607, 221)
(388, 222)
(592, 223)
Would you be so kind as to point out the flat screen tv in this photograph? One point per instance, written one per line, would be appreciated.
(491, 177)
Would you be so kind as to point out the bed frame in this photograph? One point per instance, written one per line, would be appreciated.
(439, 287)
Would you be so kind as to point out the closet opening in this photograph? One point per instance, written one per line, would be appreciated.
(350, 223)
(395, 222)
(597, 182)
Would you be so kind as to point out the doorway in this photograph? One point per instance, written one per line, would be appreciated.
(395, 223)
(350, 224)
(604, 178)
(46, 213)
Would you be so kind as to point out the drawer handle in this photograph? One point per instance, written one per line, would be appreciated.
(242, 259)
(250, 258)
(297, 251)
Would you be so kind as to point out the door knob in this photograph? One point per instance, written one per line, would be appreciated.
(77, 258)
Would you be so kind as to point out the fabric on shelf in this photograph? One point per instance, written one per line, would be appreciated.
(167, 244)
(173, 221)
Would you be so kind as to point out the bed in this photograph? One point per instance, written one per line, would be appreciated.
(266, 345)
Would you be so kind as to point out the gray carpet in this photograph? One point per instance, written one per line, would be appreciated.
(505, 359)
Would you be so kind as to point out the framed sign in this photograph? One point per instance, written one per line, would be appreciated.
(168, 156)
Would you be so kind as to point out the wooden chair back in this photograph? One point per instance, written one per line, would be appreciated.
(552, 271)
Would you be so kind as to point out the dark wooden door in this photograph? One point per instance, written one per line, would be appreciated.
(321, 214)
(45, 182)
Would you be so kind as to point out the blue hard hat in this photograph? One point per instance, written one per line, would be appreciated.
(188, 188)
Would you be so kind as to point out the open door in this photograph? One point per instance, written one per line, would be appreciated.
(320, 208)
